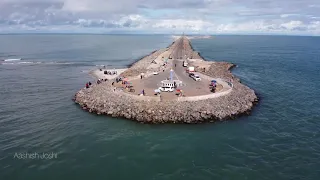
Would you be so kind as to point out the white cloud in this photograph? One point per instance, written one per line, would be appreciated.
(288, 15)
(292, 25)
(198, 16)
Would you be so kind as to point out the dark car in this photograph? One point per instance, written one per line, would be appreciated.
(191, 75)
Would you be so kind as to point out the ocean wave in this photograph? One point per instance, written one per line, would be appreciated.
(18, 59)
(63, 63)
(45, 63)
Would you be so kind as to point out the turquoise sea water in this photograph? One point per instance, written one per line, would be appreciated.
(280, 140)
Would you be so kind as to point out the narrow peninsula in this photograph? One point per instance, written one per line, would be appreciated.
(170, 85)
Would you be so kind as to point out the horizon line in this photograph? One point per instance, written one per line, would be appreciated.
(172, 34)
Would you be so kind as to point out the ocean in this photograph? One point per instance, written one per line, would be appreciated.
(44, 135)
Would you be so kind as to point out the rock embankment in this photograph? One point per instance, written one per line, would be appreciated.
(105, 99)
(99, 100)
(219, 70)
(141, 66)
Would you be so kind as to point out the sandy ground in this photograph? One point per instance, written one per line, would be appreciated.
(160, 61)
(192, 88)
(100, 74)
(200, 63)
(150, 83)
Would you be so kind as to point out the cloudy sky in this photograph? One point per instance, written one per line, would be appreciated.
(300, 17)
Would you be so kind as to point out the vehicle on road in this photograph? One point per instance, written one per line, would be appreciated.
(195, 77)
(155, 73)
(190, 69)
(191, 75)
(166, 89)
(167, 86)
(185, 64)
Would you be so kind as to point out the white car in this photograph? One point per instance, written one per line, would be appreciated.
(166, 89)
(155, 73)
(196, 77)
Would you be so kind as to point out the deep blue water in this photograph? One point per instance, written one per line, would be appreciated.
(280, 140)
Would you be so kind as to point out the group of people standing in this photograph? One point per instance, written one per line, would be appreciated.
(99, 81)
(111, 72)
(88, 84)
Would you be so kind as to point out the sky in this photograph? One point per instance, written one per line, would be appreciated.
(287, 17)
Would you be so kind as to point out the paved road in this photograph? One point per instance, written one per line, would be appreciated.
(178, 51)
(191, 87)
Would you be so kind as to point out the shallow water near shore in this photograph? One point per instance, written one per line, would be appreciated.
(280, 140)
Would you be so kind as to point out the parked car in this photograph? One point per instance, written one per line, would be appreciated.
(195, 77)
(155, 73)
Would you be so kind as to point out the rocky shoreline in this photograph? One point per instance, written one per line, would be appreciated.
(102, 99)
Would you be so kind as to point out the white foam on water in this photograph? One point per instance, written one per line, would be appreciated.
(6, 60)
(25, 62)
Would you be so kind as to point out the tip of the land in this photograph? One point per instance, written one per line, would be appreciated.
(197, 106)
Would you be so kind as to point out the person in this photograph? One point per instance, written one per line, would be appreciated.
(141, 76)
(175, 84)
(213, 89)
(112, 83)
(175, 65)
(143, 92)
(87, 85)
